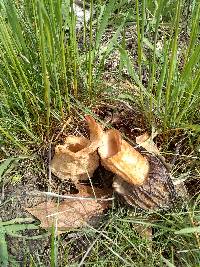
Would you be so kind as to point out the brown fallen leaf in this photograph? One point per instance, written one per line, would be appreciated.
(146, 141)
(73, 213)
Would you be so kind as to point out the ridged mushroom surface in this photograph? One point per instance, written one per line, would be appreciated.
(157, 192)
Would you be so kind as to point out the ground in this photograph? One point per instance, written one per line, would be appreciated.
(127, 120)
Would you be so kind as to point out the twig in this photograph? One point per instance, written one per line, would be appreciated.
(63, 128)
(51, 194)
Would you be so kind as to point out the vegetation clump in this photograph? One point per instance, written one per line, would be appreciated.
(134, 66)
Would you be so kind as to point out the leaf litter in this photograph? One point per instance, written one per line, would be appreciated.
(72, 213)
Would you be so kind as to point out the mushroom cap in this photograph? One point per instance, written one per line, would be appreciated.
(77, 159)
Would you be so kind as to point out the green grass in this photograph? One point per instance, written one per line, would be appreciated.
(47, 68)
(42, 66)
(173, 92)
(121, 240)
(12, 228)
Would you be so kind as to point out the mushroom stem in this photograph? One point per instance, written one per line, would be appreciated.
(122, 159)
(77, 159)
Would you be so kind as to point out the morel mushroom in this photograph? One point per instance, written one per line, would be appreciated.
(156, 192)
(122, 159)
(142, 179)
(77, 159)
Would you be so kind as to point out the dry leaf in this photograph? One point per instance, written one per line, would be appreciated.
(70, 214)
(147, 142)
(67, 215)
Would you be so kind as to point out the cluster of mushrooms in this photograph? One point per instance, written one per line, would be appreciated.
(140, 177)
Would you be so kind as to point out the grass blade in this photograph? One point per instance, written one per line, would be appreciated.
(3, 250)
